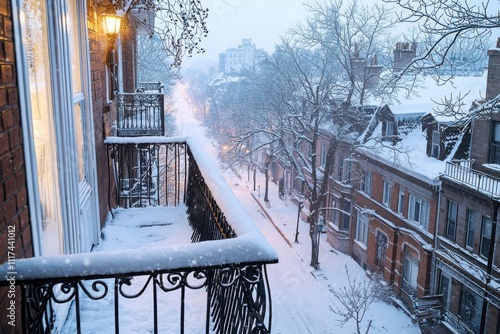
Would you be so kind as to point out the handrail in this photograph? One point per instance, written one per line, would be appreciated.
(472, 178)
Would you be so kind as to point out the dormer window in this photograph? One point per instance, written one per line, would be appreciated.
(389, 130)
(436, 144)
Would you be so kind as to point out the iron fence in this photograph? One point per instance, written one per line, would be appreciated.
(140, 114)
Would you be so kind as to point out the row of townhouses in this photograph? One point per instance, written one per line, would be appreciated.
(415, 198)
(80, 135)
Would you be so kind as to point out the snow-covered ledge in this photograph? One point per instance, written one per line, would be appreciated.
(249, 247)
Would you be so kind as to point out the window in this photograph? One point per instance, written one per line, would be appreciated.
(401, 201)
(410, 272)
(419, 211)
(495, 144)
(345, 218)
(470, 308)
(444, 289)
(471, 228)
(341, 167)
(381, 249)
(323, 154)
(57, 120)
(349, 170)
(362, 228)
(389, 130)
(451, 225)
(486, 236)
(365, 183)
(386, 196)
(436, 143)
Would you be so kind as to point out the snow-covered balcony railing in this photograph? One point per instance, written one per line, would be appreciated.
(474, 179)
(216, 284)
(140, 114)
(150, 86)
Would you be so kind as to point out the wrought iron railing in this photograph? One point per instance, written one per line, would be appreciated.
(140, 114)
(150, 86)
(456, 323)
(472, 178)
(224, 269)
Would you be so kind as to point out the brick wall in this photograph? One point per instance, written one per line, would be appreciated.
(493, 84)
(14, 212)
(129, 55)
(100, 108)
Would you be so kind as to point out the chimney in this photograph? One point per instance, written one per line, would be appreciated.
(493, 81)
(403, 55)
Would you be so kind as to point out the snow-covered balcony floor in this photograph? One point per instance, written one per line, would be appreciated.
(146, 227)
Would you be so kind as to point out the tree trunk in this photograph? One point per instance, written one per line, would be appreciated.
(314, 242)
(266, 175)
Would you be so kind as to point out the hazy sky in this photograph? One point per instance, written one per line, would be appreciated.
(263, 21)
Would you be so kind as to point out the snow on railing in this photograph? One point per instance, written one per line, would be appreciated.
(140, 114)
(482, 182)
(229, 265)
(150, 86)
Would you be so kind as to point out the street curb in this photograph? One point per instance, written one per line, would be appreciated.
(271, 220)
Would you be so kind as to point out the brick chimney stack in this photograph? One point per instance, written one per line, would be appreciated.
(403, 55)
(493, 82)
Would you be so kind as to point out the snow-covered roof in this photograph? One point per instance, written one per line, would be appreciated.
(432, 92)
(409, 153)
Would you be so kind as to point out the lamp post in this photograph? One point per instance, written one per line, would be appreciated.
(298, 218)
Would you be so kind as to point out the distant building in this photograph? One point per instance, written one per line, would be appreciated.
(245, 55)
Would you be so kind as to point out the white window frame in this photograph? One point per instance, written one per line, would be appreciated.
(362, 223)
(421, 216)
(64, 126)
(410, 269)
(401, 201)
(387, 193)
(436, 144)
(365, 184)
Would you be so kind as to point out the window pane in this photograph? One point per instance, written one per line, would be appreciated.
(75, 46)
(401, 201)
(35, 38)
(471, 221)
(496, 132)
(79, 141)
(486, 234)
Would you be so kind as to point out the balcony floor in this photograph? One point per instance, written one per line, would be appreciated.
(146, 227)
(140, 228)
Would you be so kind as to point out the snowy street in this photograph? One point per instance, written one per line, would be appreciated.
(301, 298)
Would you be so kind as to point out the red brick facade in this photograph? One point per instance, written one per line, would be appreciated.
(14, 212)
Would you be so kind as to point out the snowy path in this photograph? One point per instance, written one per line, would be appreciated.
(300, 296)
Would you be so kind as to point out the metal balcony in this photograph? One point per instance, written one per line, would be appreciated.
(223, 268)
(140, 114)
(462, 174)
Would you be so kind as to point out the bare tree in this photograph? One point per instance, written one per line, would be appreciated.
(313, 89)
(356, 298)
(446, 24)
(180, 24)
(152, 63)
